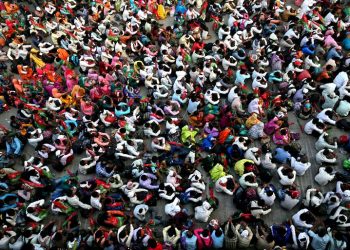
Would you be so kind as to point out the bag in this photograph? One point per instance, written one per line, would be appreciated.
(346, 164)
(281, 194)
(238, 196)
(343, 124)
(250, 194)
(78, 147)
(295, 136)
(208, 162)
(343, 139)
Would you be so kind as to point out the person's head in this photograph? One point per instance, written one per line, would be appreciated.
(30, 210)
(205, 233)
(98, 234)
(305, 216)
(342, 218)
(95, 194)
(172, 231)
(321, 231)
(58, 236)
(281, 230)
(269, 238)
(230, 185)
(11, 212)
(218, 232)
(329, 67)
(250, 179)
(290, 175)
(122, 234)
(152, 243)
(269, 192)
(189, 233)
(315, 121)
(140, 211)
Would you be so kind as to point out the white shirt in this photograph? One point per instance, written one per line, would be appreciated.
(323, 117)
(173, 208)
(322, 144)
(329, 18)
(341, 79)
(321, 158)
(141, 216)
(298, 222)
(269, 200)
(323, 178)
(75, 202)
(95, 201)
(299, 167)
(202, 213)
(344, 193)
(284, 180)
(310, 127)
(288, 202)
(291, 34)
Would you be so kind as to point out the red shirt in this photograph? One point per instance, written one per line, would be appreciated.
(197, 46)
(158, 247)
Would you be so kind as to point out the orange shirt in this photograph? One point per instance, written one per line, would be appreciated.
(223, 135)
(124, 39)
(63, 54)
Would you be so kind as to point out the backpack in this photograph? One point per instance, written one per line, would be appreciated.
(208, 162)
(250, 194)
(237, 196)
(78, 147)
(343, 124)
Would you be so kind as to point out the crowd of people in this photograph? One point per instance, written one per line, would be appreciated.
(128, 104)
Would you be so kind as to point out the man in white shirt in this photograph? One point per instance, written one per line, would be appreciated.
(267, 195)
(312, 126)
(31, 210)
(140, 212)
(341, 79)
(193, 105)
(191, 13)
(326, 116)
(303, 219)
(95, 200)
(300, 165)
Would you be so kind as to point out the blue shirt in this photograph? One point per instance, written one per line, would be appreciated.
(240, 78)
(218, 242)
(14, 147)
(333, 54)
(281, 240)
(191, 243)
(101, 171)
(319, 243)
(281, 155)
(346, 43)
